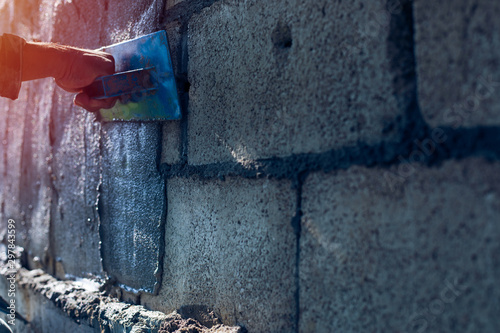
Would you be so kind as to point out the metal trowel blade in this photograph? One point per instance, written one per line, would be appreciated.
(144, 81)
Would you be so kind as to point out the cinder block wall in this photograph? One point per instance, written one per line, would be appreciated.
(336, 168)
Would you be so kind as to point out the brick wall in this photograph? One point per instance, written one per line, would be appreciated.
(335, 169)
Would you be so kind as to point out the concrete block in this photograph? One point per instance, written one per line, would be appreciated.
(132, 204)
(419, 258)
(76, 175)
(457, 52)
(230, 248)
(286, 77)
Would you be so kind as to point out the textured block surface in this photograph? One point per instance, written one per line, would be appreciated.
(417, 259)
(76, 175)
(457, 52)
(132, 204)
(230, 247)
(261, 79)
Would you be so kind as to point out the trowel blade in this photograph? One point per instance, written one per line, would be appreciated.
(160, 103)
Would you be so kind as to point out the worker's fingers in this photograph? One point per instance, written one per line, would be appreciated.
(94, 105)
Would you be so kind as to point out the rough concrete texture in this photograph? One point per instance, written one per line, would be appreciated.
(171, 142)
(171, 138)
(283, 77)
(232, 252)
(417, 258)
(142, 17)
(457, 50)
(76, 178)
(48, 305)
(36, 183)
(131, 204)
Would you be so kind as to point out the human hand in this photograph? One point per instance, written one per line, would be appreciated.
(79, 69)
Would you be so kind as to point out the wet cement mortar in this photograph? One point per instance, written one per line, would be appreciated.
(93, 308)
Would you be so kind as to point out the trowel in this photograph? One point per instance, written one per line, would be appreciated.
(144, 82)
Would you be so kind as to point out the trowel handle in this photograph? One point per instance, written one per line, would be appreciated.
(132, 82)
